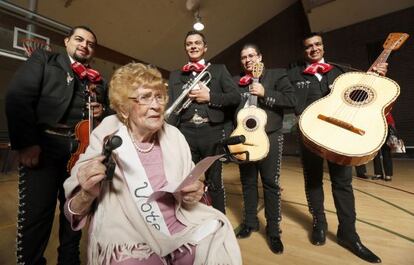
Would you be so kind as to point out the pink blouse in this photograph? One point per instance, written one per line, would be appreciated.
(152, 163)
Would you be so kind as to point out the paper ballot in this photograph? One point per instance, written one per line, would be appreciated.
(174, 187)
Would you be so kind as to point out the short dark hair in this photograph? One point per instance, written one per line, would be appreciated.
(253, 46)
(72, 31)
(195, 32)
(310, 35)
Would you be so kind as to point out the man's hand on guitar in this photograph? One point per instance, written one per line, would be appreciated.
(381, 69)
(257, 89)
(201, 95)
(97, 109)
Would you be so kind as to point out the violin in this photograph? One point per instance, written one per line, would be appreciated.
(83, 129)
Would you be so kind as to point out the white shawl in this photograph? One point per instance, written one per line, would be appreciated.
(118, 227)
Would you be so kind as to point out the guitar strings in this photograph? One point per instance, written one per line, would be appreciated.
(359, 96)
(366, 90)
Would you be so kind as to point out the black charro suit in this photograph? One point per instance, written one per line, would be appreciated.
(223, 92)
(203, 137)
(278, 95)
(309, 89)
(45, 94)
(39, 96)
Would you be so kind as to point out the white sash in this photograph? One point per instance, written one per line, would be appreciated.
(138, 182)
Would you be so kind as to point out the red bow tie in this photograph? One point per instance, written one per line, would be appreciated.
(196, 67)
(84, 72)
(318, 68)
(245, 80)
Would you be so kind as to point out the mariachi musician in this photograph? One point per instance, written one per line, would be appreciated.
(312, 79)
(274, 93)
(44, 102)
(202, 123)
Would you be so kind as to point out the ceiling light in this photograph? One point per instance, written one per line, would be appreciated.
(198, 25)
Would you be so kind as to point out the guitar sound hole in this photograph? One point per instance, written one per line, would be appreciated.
(251, 123)
(358, 95)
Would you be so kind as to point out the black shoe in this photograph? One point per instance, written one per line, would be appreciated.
(318, 236)
(275, 244)
(360, 250)
(363, 176)
(377, 177)
(245, 231)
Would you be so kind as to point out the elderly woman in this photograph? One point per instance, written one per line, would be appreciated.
(126, 228)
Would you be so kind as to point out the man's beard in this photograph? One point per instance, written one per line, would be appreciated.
(82, 60)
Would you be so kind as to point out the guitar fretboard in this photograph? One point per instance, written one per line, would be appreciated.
(382, 58)
(253, 98)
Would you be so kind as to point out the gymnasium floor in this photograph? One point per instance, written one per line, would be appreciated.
(385, 212)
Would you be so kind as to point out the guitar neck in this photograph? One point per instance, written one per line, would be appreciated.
(253, 98)
(382, 58)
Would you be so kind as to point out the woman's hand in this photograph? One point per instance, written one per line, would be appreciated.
(192, 193)
(89, 176)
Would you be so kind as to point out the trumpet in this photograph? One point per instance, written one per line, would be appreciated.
(183, 101)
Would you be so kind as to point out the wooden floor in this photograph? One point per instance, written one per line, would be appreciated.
(385, 212)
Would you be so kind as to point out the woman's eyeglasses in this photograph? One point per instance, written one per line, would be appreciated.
(148, 99)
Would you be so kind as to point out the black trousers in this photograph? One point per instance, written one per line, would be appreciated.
(202, 140)
(269, 169)
(342, 191)
(383, 161)
(360, 170)
(39, 189)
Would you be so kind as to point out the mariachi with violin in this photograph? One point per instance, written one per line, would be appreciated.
(92, 114)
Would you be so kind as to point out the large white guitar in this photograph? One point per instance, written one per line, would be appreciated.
(348, 126)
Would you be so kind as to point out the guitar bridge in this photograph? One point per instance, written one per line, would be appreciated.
(342, 124)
